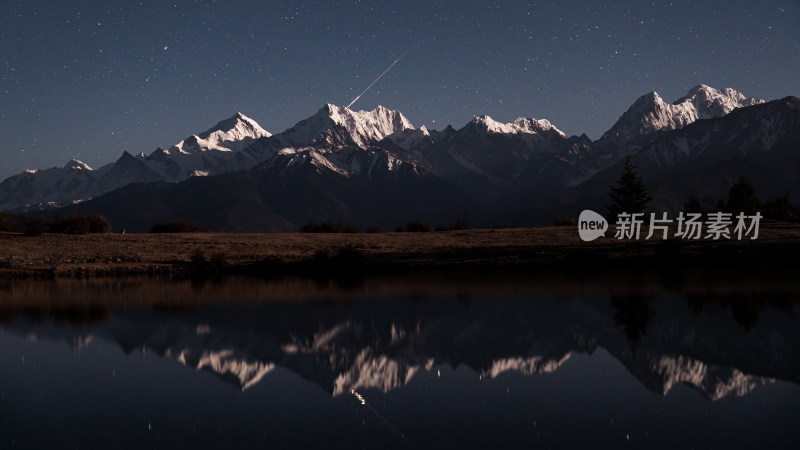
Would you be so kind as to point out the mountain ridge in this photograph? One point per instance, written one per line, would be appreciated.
(502, 167)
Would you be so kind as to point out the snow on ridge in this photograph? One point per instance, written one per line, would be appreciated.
(77, 165)
(229, 135)
(409, 137)
(363, 127)
(372, 125)
(709, 102)
(650, 113)
(521, 125)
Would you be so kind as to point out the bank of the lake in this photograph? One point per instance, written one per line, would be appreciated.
(214, 254)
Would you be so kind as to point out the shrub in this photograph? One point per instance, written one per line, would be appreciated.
(781, 208)
(12, 223)
(565, 221)
(462, 223)
(35, 227)
(80, 224)
(179, 226)
(416, 226)
(342, 257)
(329, 227)
(198, 256)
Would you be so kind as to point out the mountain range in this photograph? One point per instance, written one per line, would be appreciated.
(374, 168)
(384, 344)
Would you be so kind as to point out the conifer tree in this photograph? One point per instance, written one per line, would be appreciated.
(631, 195)
(742, 197)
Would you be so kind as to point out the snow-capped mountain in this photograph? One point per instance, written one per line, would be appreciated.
(704, 158)
(232, 134)
(484, 157)
(650, 114)
(56, 186)
(363, 127)
(207, 153)
(354, 158)
(337, 139)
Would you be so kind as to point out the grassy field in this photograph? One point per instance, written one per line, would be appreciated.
(208, 254)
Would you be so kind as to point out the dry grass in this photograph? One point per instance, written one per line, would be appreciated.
(87, 255)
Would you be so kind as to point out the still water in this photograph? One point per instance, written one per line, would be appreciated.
(634, 360)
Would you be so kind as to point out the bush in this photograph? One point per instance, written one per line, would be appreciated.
(179, 226)
(35, 227)
(20, 224)
(329, 227)
(76, 224)
(781, 208)
(462, 223)
(416, 226)
(565, 221)
(342, 256)
(12, 223)
(198, 256)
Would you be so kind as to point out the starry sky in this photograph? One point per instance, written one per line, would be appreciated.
(91, 79)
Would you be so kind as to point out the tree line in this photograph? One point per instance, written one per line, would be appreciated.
(73, 224)
(631, 195)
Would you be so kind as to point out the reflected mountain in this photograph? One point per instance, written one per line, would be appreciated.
(382, 343)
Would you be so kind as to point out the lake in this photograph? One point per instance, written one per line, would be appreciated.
(615, 359)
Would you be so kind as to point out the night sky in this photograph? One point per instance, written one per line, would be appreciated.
(89, 79)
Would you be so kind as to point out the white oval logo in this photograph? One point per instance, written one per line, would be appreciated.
(591, 225)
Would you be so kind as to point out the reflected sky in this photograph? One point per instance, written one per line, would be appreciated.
(518, 369)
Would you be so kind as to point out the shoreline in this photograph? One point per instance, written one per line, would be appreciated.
(209, 255)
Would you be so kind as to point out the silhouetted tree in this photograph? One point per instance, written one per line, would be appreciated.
(80, 224)
(742, 197)
(633, 314)
(696, 205)
(781, 208)
(631, 195)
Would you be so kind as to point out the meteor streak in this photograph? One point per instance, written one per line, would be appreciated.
(376, 79)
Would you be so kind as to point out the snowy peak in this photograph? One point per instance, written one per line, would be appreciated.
(364, 127)
(237, 126)
(710, 102)
(521, 125)
(367, 126)
(535, 126)
(74, 164)
(231, 134)
(650, 113)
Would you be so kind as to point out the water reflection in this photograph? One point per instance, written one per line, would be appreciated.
(370, 339)
(347, 338)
